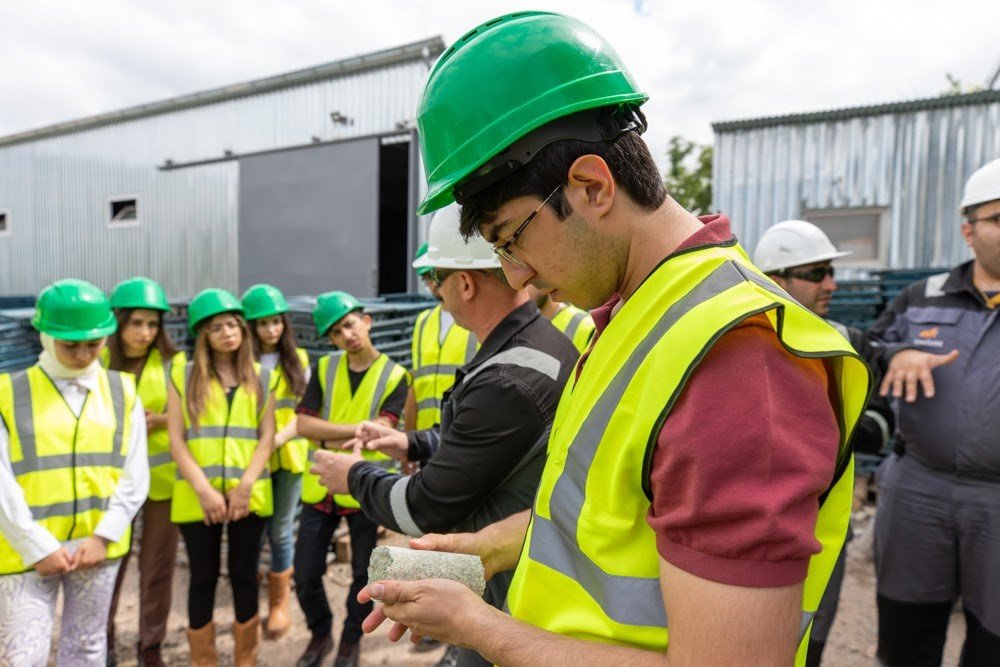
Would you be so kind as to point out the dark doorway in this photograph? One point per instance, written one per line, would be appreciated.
(393, 217)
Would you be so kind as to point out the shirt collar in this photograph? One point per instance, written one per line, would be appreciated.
(509, 327)
(89, 382)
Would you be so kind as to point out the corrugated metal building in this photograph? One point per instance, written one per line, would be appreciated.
(308, 179)
(884, 181)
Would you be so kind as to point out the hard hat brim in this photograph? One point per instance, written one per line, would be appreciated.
(825, 257)
(80, 335)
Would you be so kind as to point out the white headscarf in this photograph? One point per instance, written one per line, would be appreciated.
(49, 361)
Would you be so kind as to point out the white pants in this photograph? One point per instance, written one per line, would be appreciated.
(28, 610)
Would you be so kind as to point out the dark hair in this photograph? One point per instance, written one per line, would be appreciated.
(628, 159)
(288, 359)
(970, 212)
(116, 351)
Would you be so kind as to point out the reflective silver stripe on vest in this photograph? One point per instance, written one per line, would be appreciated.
(160, 459)
(383, 380)
(524, 357)
(59, 461)
(25, 423)
(436, 369)
(632, 600)
(221, 432)
(331, 376)
(470, 347)
(429, 403)
(39, 512)
(229, 472)
(574, 324)
(286, 403)
(400, 510)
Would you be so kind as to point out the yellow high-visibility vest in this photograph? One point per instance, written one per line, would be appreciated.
(342, 407)
(152, 387)
(222, 443)
(589, 567)
(576, 324)
(294, 455)
(434, 364)
(68, 466)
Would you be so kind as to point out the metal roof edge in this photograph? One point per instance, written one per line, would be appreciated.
(426, 48)
(925, 104)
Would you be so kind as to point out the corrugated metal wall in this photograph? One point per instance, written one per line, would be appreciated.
(56, 190)
(913, 164)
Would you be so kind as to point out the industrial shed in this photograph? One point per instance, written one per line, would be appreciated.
(884, 181)
(308, 180)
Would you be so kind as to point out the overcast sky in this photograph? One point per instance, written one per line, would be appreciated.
(701, 61)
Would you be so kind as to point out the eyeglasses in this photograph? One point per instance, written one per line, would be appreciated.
(815, 275)
(503, 251)
(438, 276)
(995, 219)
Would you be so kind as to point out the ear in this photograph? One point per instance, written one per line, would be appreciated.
(367, 319)
(590, 185)
(467, 287)
(968, 232)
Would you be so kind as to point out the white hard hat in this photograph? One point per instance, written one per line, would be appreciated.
(983, 186)
(446, 249)
(793, 243)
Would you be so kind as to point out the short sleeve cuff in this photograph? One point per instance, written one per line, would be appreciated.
(732, 571)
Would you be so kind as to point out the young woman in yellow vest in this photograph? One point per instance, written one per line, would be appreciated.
(73, 474)
(220, 417)
(265, 309)
(346, 388)
(142, 347)
(438, 349)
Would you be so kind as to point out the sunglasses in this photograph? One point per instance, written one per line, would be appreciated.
(816, 275)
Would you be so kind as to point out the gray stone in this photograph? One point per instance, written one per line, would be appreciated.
(401, 564)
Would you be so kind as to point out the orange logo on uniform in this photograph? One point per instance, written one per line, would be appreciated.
(929, 333)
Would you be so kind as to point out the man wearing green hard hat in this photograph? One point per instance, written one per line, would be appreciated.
(670, 490)
(347, 387)
(73, 474)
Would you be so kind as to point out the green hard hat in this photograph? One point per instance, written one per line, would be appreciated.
(74, 310)
(423, 270)
(332, 307)
(139, 292)
(209, 303)
(263, 301)
(506, 78)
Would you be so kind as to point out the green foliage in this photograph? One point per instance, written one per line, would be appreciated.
(956, 87)
(689, 175)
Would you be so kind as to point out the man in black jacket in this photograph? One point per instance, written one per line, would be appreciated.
(484, 461)
(799, 257)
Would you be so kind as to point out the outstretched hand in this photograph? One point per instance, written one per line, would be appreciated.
(910, 369)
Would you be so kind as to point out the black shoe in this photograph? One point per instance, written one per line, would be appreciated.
(348, 654)
(449, 659)
(318, 648)
(426, 644)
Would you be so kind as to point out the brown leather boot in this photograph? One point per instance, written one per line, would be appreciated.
(247, 639)
(279, 586)
(202, 642)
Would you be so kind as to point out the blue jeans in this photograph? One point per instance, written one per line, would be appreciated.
(286, 488)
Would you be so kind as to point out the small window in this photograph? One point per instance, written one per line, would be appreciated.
(864, 232)
(4, 223)
(124, 212)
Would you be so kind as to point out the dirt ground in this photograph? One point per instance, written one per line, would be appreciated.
(851, 643)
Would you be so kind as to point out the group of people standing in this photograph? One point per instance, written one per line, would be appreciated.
(219, 439)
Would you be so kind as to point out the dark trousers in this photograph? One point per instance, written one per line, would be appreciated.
(914, 633)
(157, 557)
(316, 530)
(204, 548)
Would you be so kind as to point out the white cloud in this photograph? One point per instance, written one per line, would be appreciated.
(701, 62)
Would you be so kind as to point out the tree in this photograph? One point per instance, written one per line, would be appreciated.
(689, 174)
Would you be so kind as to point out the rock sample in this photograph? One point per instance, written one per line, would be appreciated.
(399, 563)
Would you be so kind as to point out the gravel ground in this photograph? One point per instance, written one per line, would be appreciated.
(851, 644)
